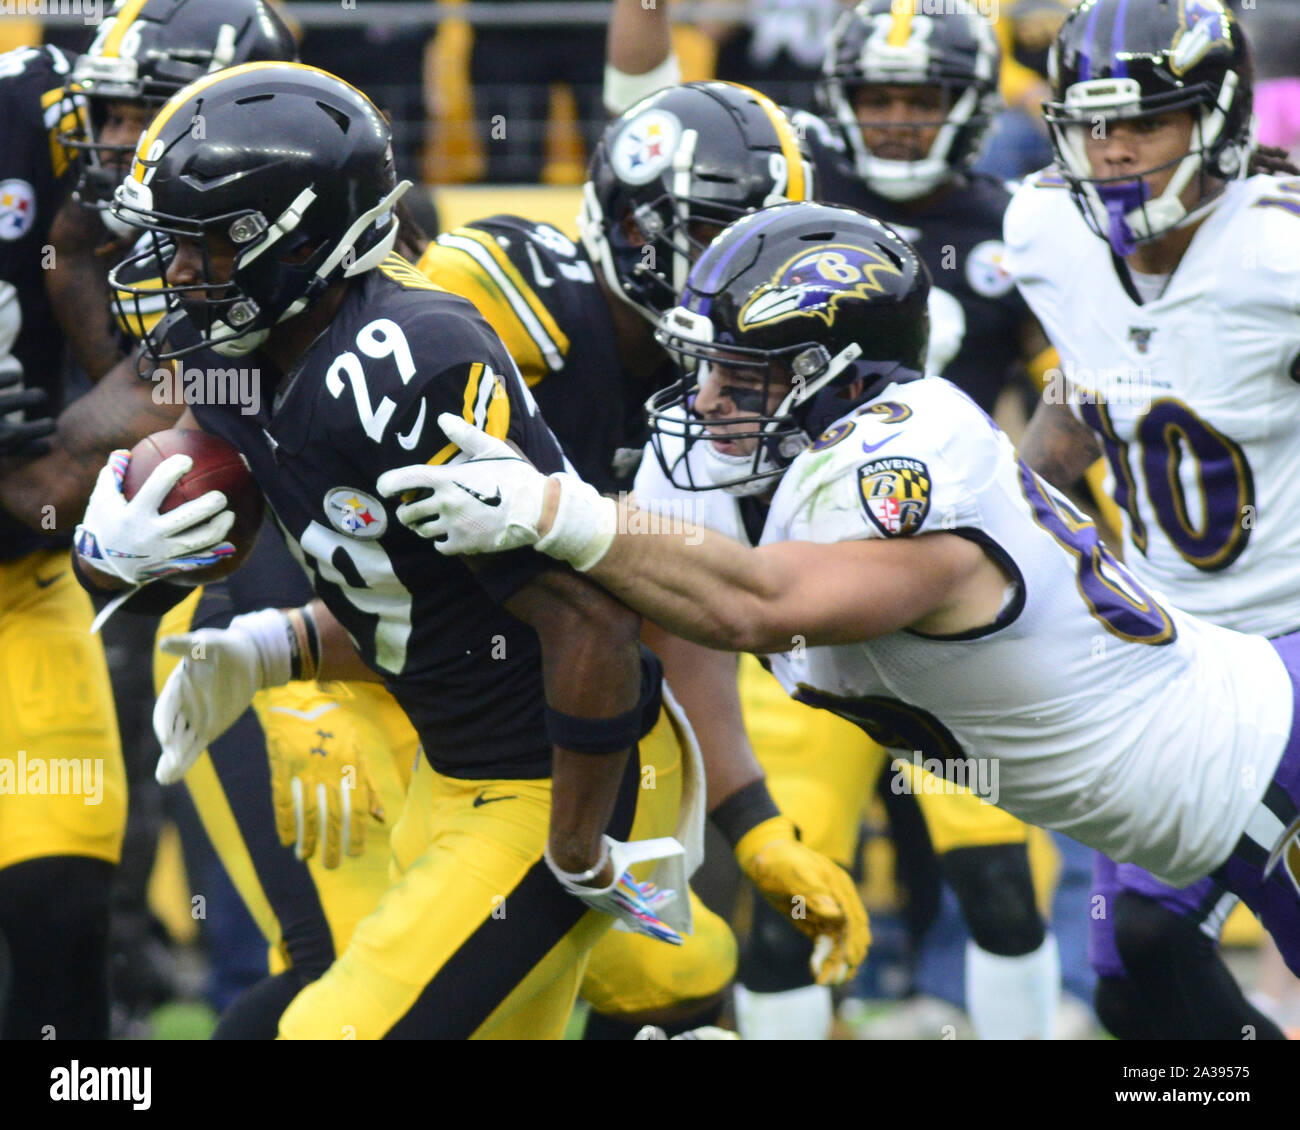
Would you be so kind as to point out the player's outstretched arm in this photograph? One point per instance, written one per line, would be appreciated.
(787, 872)
(50, 493)
(221, 669)
(696, 583)
(639, 55)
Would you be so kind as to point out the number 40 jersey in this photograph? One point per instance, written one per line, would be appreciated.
(1193, 395)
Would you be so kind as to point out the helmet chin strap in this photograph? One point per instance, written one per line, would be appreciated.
(766, 467)
(1126, 212)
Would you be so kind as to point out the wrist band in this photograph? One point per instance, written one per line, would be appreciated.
(744, 810)
(579, 876)
(304, 643)
(616, 734)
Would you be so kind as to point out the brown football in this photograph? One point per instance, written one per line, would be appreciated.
(218, 465)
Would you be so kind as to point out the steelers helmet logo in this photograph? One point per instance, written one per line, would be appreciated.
(355, 513)
(17, 209)
(646, 146)
(895, 494)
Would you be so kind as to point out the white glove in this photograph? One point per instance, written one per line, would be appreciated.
(219, 673)
(631, 903)
(492, 501)
(135, 543)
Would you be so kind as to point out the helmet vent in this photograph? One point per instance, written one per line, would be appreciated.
(340, 118)
(817, 236)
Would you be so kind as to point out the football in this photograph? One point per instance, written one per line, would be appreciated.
(217, 466)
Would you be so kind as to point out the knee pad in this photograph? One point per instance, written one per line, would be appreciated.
(996, 892)
(776, 957)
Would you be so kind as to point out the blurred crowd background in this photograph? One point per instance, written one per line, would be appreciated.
(486, 97)
(508, 91)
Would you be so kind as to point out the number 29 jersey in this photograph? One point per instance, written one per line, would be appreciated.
(364, 399)
(1193, 396)
(1088, 697)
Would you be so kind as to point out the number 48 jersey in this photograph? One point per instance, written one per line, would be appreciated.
(1194, 396)
(364, 399)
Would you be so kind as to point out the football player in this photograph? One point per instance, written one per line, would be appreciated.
(910, 98)
(61, 707)
(1161, 253)
(539, 292)
(578, 319)
(450, 643)
(939, 593)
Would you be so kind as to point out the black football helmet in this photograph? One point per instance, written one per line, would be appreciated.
(693, 156)
(811, 295)
(145, 52)
(289, 161)
(888, 43)
(1129, 59)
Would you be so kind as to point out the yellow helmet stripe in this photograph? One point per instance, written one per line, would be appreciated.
(183, 95)
(123, 20)
(900, 31)
(796, 188)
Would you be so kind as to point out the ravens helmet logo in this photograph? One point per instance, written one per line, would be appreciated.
(814, 282)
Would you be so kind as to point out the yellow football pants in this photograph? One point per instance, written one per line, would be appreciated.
(821, 771)
(476, 939)
(62, 780)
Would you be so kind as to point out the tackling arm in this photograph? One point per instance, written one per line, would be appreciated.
(727, 596)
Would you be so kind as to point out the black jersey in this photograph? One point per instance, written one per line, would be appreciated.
(959, 238)
(538, 289)
(33, 184)
(365, 399)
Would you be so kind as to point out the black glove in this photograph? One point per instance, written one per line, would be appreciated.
(27, 438)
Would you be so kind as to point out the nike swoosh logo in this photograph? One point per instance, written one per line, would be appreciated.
(412, 437)
(46, 582)
(495, 500)
(481, 800)
(540, 276)
(870, 447)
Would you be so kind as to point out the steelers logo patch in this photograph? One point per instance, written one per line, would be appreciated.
(984, 270)
(895, 494)
(355, 513)
(646, 146)
(17, 209)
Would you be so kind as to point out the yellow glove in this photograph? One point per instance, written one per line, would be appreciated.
(320, 783)
(817, 894)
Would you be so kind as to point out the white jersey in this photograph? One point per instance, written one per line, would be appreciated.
(1193, 395)
(1139, 730)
